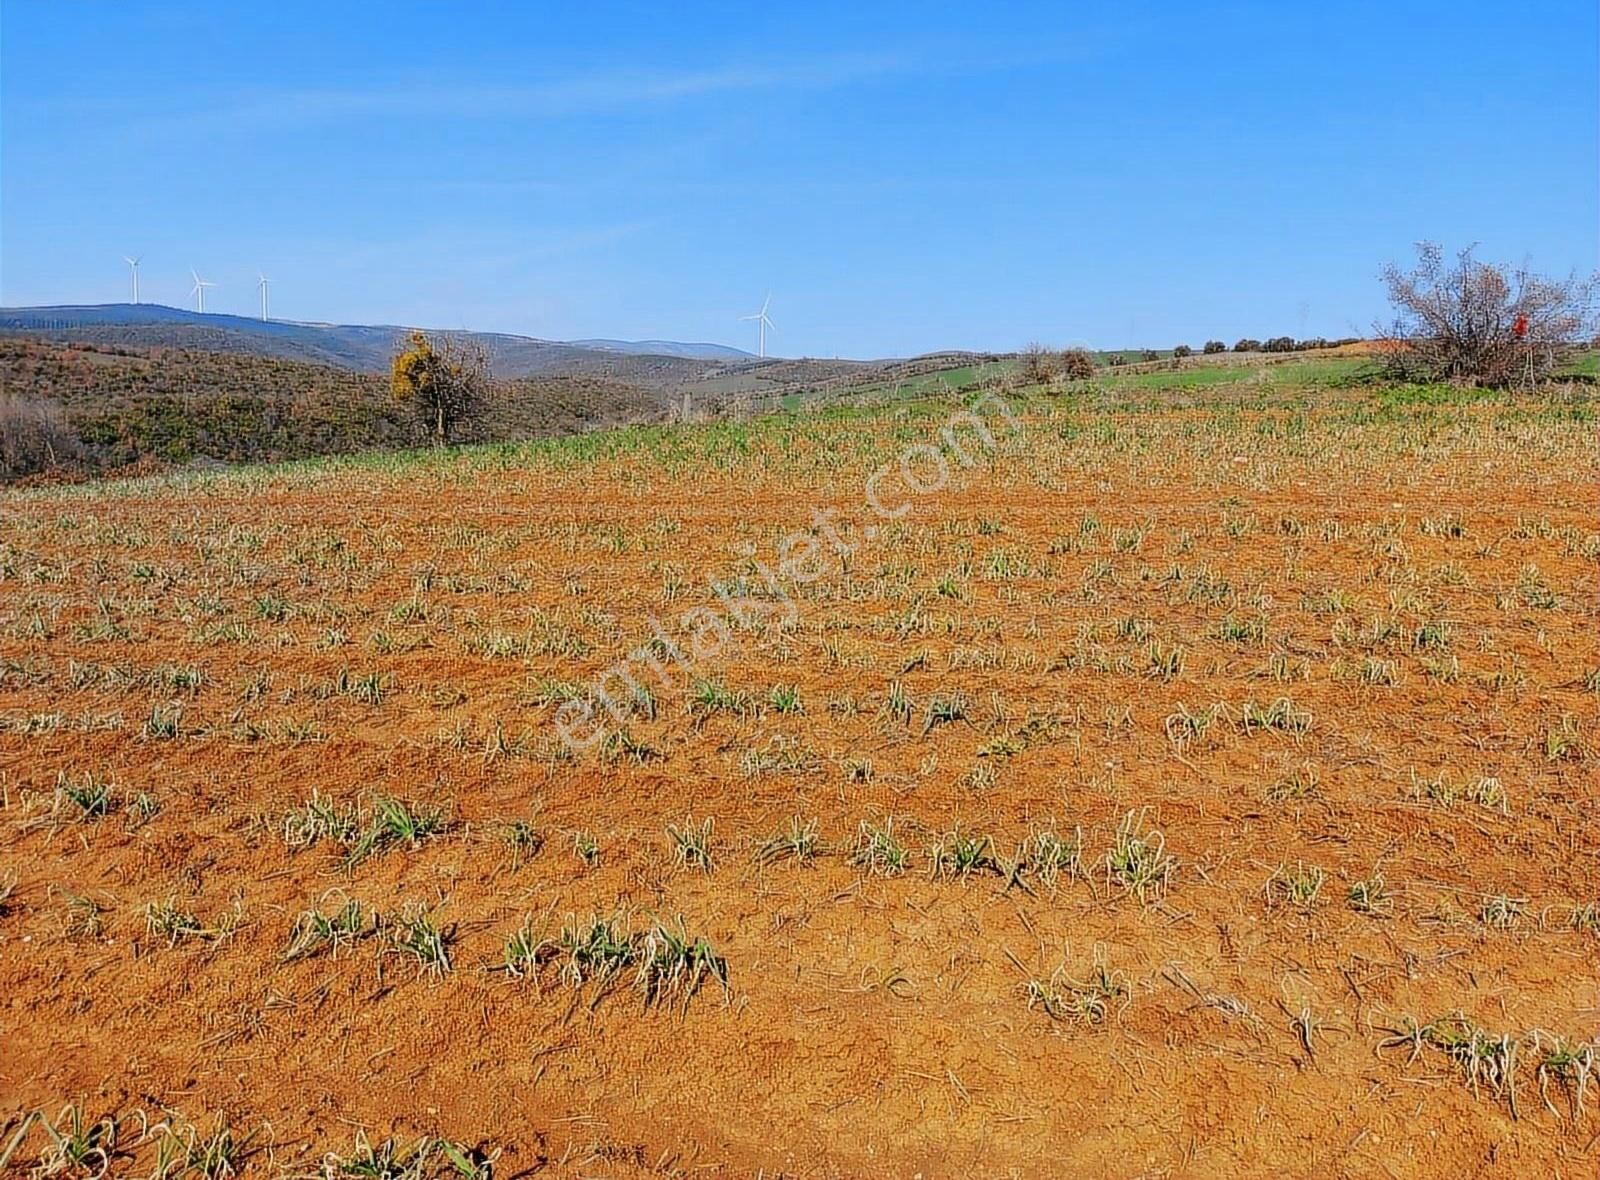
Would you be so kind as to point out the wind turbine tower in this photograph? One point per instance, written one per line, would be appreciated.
(199, 291)
(133, 269)
(264, 284)
(763, 323)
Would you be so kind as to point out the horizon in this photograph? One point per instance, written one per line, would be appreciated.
(191, 314)
(298, 323)
(976, 183)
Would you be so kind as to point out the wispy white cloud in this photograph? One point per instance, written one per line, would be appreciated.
(587, 94)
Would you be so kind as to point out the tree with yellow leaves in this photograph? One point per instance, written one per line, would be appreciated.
(445, 383)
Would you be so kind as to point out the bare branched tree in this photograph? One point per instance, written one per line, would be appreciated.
(1039, 365)
(446, 382)
(1482, 324)
(34, 436)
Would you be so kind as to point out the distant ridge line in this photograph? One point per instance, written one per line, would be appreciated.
(93, 316)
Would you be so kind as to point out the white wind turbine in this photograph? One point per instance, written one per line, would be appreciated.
(199, 291)
(763, 324)
(133, 267)
(264, 284)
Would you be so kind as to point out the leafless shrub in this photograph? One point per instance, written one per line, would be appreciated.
(1039, 365)
(1479, 323)
(34, 436)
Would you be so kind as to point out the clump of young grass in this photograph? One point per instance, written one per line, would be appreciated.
(1567, 1064)
(798, 841)
(1164, 663)
(84, 918)
(1370, 897)
(172, 923)
(586, 847)
(1488, 793)
(595, 951)
(1561, 740)
(690, 844)
(781, 755)
(1184, 728)
(1080, 1001)
(85, 798)
(1048, 855)
(526, 953)
(620, 744)
(897, 704)
(785, 698)
(1438, 791)
(394, 824)
(959, 854)
(943, 709)
(1298, 785)
(522, 841)
(1483, 1057)
(317, 930)
(672, 964)
(77, 1145)
(1299, 886)
(1501, 912)
(429, 1158)
(412, 933)
(140, 808)
(1281, 716)
(186, 1153)
(878, 850)
(164, 722)
(1585, 918)
(711, 696)
(1138, 860)
(320, 819)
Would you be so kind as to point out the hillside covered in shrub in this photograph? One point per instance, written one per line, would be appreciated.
(92, 408)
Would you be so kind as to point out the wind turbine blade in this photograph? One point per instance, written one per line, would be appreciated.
(765, 303)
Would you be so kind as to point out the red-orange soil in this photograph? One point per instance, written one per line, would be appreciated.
(1114, 601)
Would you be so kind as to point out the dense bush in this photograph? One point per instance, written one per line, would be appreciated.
(1183, 350)
(1247, 345)
(1077, 364)
(1214, 346)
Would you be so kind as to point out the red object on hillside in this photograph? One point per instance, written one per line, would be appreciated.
(1520, 328)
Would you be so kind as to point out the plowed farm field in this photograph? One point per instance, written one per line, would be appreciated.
(1025, 786)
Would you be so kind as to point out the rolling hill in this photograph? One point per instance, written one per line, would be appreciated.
(363, 348)
(114, 406)
(96, 388)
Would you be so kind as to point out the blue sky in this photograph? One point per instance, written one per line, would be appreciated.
(901, 177)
